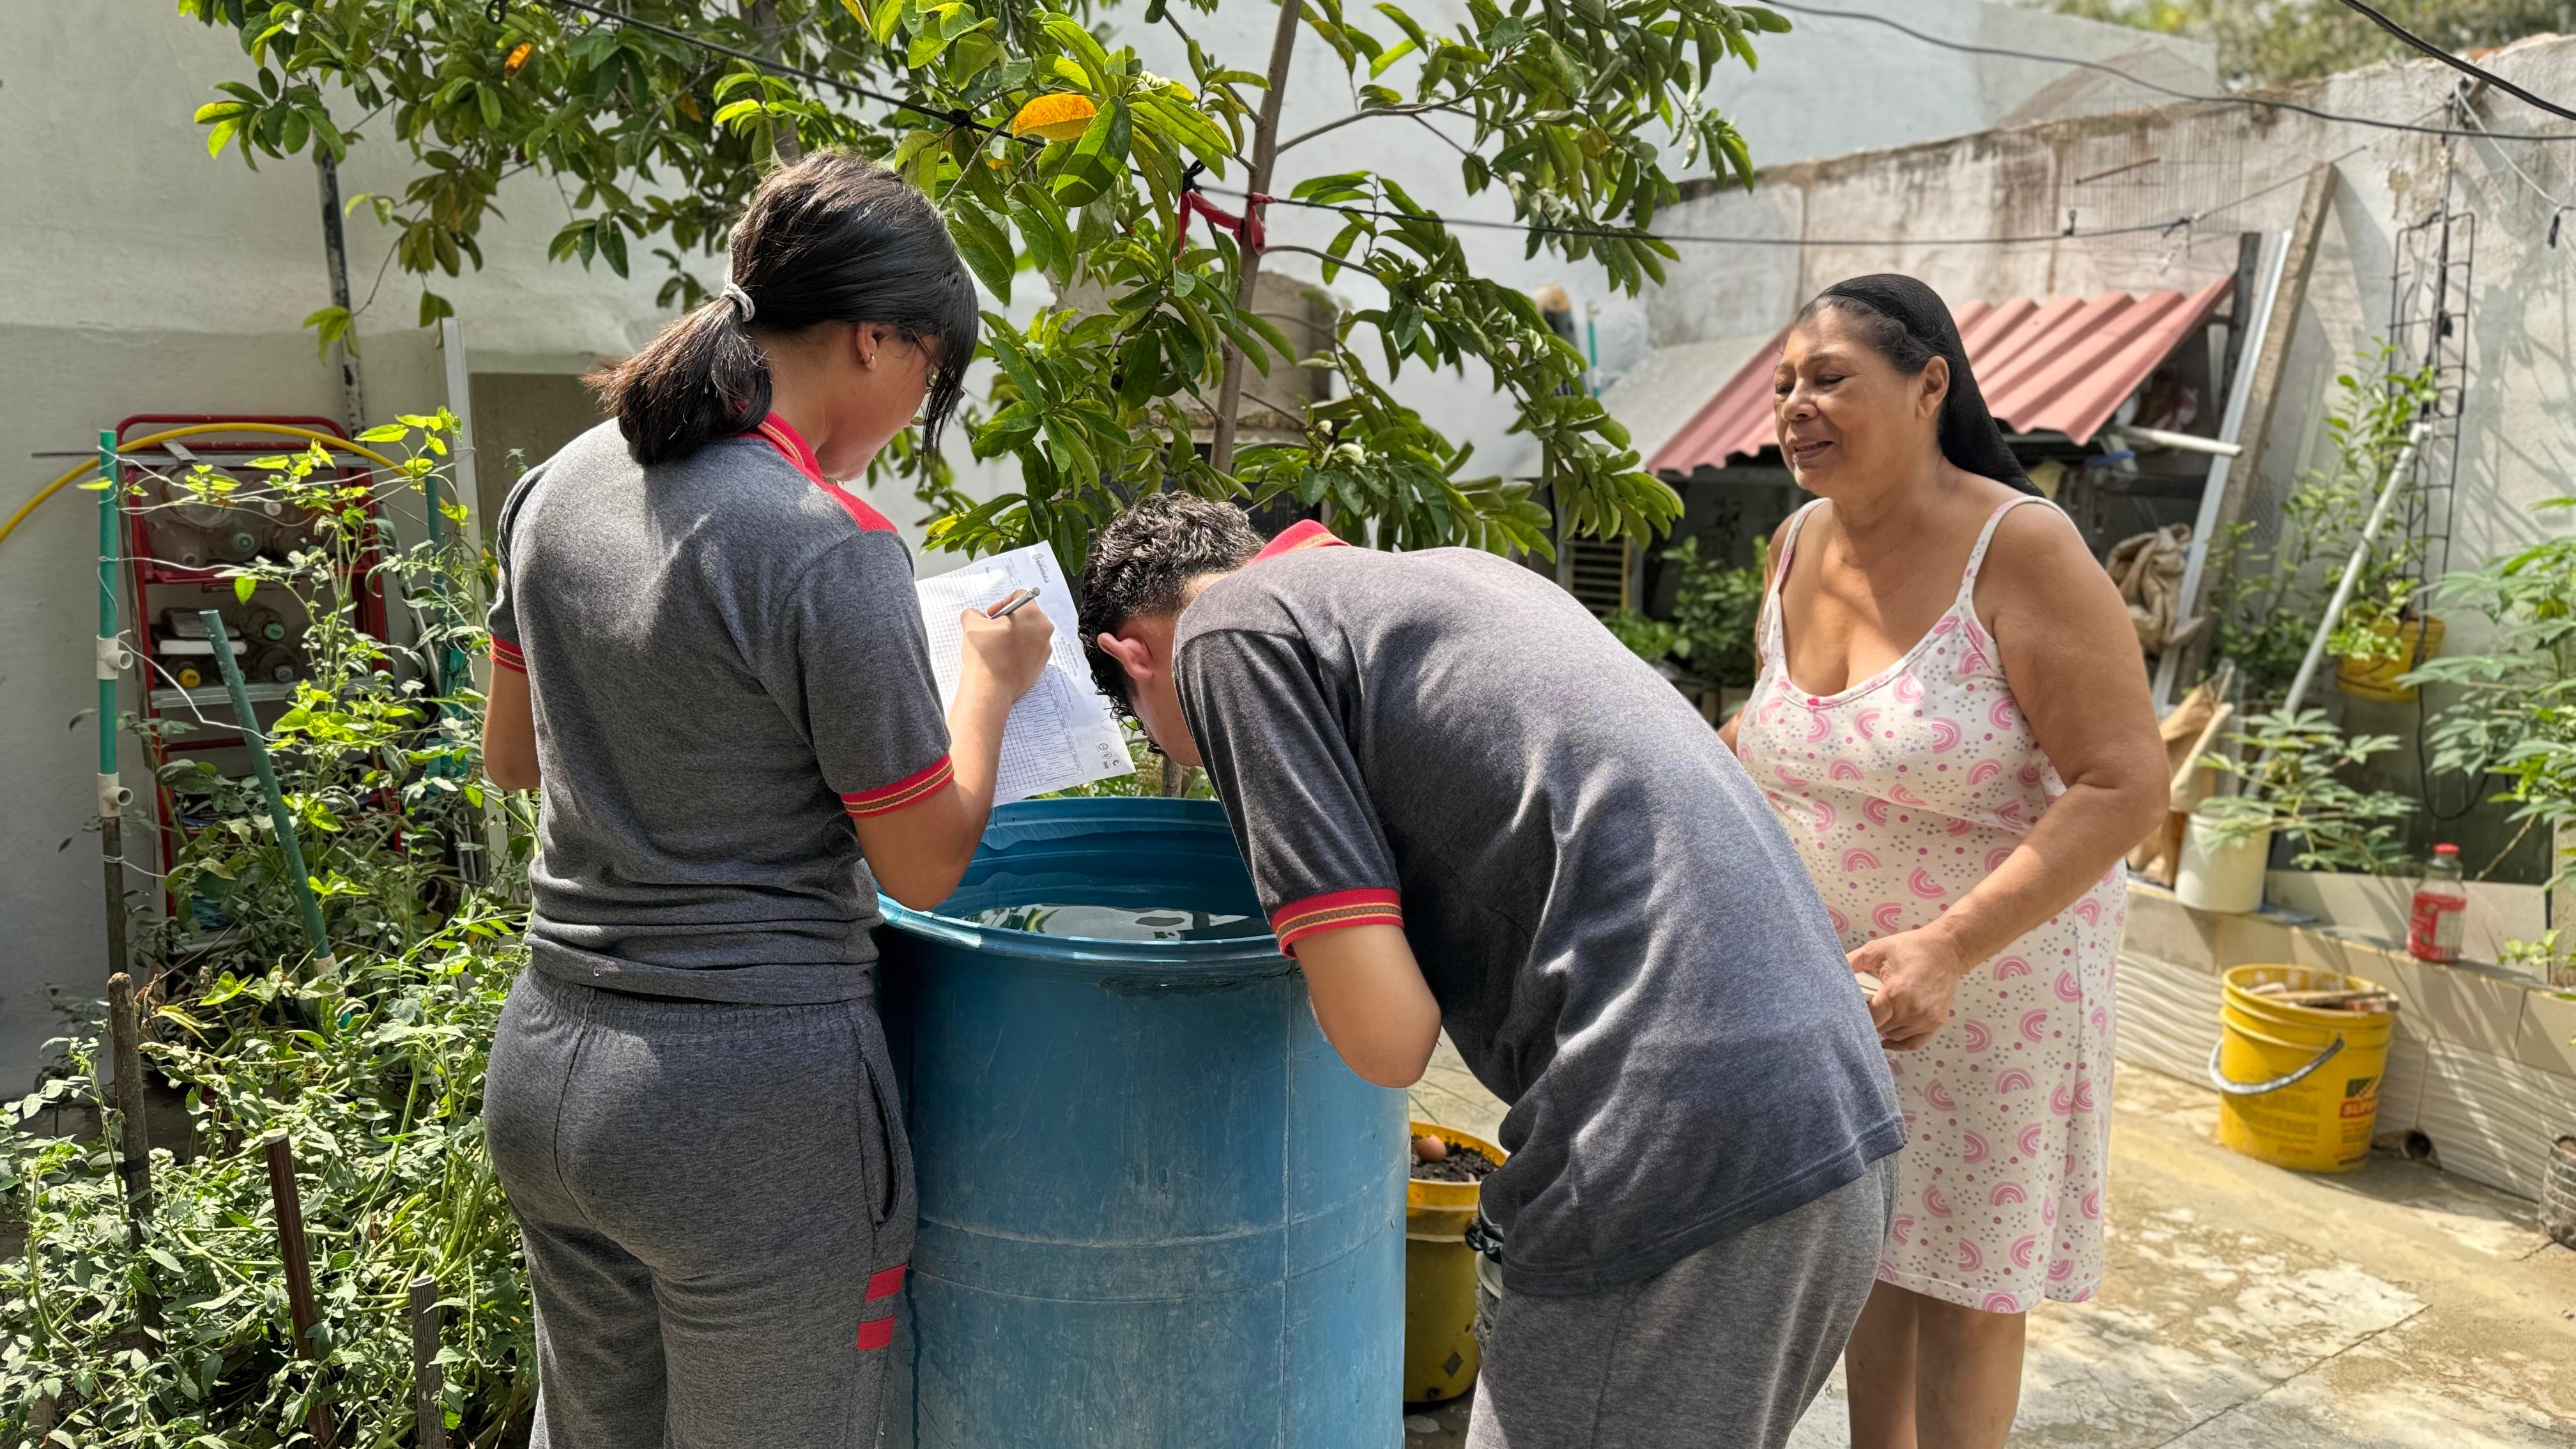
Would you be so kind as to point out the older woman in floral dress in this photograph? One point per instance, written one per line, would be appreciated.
(1952, 719)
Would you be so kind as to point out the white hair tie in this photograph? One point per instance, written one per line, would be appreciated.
(740, 299)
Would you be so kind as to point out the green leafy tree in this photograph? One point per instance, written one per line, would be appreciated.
(1574, 109)
(2267, 42)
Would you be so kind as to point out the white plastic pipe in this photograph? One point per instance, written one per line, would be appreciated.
(2398, 472)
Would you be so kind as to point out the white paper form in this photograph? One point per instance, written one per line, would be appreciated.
(1061, 733)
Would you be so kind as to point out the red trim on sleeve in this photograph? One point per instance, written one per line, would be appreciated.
(886, 1284)
(1332, 911)
(1306, 533)
(774, 430)
(509, 656)
(876, 1333)
(912, 789)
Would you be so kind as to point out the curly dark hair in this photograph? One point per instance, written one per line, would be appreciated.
(1143, 560)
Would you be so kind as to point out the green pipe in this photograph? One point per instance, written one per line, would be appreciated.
(111, 664)
(287, 840)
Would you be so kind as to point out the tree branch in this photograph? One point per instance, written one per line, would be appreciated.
(1342, 262)
(1414, 109)
(1265, 156)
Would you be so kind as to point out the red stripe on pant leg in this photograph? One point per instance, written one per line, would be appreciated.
(886, 1284)
(876, 1333)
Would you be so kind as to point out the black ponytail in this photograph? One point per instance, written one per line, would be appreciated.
(1907, 323)
(833, 238)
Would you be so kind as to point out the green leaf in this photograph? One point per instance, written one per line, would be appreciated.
(245, 586)
(985, 246)
(384, 433)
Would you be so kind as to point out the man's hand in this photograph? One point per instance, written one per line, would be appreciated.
(1918, 973)
(1011, 651)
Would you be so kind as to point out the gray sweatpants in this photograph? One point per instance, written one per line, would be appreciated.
(1725, 1348)
(717, 1205)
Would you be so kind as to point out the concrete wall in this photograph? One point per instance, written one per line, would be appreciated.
(143, 276)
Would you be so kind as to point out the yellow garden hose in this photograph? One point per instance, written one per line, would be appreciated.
(90, 469)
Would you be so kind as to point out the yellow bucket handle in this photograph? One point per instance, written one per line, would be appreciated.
(2233, 1088)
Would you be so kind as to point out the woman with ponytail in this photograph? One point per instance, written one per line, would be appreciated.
(1952, 720)
(709, 659)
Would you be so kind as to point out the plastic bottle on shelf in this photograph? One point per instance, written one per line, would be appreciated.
(273, 664)
(264, 625)
(187, 676)
(2441, 915)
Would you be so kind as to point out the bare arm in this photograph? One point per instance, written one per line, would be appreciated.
(920, 852)
(1371, 1001)
(2067, 646)
(509, 731)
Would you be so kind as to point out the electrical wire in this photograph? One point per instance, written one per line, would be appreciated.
(2558, 208)
(2071, 233)
(2455, 62)
(2261, 102)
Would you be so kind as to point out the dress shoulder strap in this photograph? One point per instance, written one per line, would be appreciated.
(1985, 540)
(1765, 630)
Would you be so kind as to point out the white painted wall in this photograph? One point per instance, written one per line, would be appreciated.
(142, 276)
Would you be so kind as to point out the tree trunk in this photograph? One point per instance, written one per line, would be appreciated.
(763, 15)
(1265, 151)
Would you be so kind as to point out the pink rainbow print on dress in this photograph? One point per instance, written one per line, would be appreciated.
(1909, 690)
(1995, 859)
(1945, 736)
(1844, 770)
(1973, 662)
(1824, 815)
(2101, 1020)
(1939, 1096)
(1818, 730)
(1842, 923)
(1901, 1228)
(2009, 813)
(1944, 625)
(2092, 1204)
(1973, 1033)
(1781, 774)
(1905, 797)
(1889, 918)
(1934, 1203)
(2029, 775)
(1875, 809)
(2089, 911)
(2062, 1102)
(2001, 1303)
(1922, 884)
(2013, 1081)
(2005, 1194)
(2060, 1271)
(2048, 1211)
(1858, 860)
(2083, 1094)
(1972, 1148)
(2003, 715)
(1985, 770)
(2028, 1141)
(2034, 1026)
(2067, 988)
(1958, 827)
(2010, 967)
(1970, 1260)
(2025, 1250)
(1865, 723)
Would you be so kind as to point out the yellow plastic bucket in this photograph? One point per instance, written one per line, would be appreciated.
(1440, 1354)
(2299, 1084)
(2377, 678)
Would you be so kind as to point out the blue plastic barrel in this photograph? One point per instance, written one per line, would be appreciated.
(1156, 1209)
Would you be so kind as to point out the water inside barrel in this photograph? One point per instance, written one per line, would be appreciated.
(1122, 923)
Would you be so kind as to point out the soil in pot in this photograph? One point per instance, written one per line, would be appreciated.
(1463, 1164)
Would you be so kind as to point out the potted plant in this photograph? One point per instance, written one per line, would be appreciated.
(1716, 607)
(2288, 785)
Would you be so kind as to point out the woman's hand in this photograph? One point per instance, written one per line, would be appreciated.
(1918, 973)
(1011, 650)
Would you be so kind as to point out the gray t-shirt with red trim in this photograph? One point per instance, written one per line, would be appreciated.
(1623, 943)
(726, 661)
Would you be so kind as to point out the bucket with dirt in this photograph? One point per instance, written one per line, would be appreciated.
(1440, 1349)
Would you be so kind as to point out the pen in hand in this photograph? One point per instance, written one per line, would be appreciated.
(1012, 604)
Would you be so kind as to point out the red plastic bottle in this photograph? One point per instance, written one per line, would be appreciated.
(2441, 914)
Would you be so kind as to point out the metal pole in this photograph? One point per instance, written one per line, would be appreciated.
(335, 256)
(287, 840)
(428, 1381)
(299, 1277)
(111, 664)
(2398, 473)
(134, 1141)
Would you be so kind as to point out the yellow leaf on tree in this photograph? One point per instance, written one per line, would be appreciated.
(518, 57)
(1058, 117)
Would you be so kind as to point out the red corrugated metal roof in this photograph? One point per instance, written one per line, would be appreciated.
(2058, 365)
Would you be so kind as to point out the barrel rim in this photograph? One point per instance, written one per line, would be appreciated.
(1229, 958)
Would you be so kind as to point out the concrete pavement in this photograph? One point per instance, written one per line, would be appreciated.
(2398, 1307)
